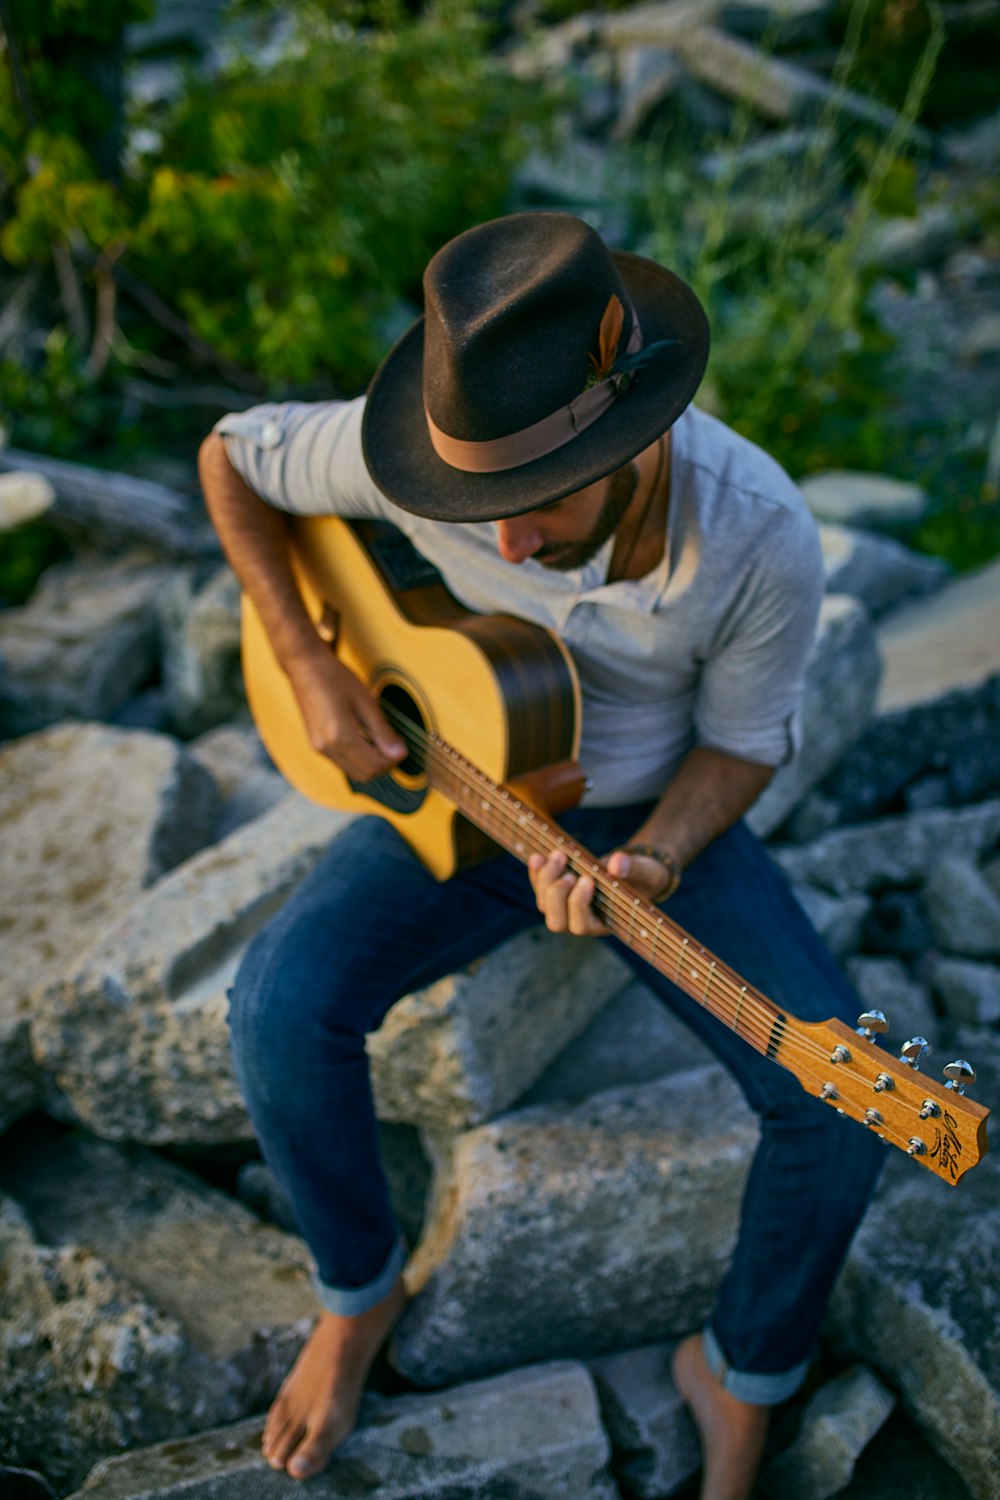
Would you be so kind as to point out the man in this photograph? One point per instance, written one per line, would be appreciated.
(533, 435)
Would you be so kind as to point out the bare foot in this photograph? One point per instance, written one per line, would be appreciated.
(732, 1432)
(317, 1406)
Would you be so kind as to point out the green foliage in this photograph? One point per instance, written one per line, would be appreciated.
(289, 204)
(52, 406)
(798, 359)
(24, 556)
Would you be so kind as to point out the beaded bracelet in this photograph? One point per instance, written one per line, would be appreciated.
(667, 860)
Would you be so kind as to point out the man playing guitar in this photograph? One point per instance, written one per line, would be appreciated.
(533, 436)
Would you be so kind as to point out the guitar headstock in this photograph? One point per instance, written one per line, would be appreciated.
(934, 1123)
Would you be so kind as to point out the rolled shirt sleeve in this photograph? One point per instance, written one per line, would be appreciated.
(750, 690)
(304, 457)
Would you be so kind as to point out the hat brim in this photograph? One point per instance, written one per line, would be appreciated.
(404, 465)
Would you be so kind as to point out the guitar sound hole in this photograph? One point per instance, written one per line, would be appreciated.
(398, 701)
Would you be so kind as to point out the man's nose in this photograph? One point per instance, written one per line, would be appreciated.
(519, 538)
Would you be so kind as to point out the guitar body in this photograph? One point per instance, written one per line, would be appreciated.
(499, 690)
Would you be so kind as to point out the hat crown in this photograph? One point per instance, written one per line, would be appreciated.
(513, 309)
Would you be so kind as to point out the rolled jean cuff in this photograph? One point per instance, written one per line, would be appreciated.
(350, 1302)
(745, 1385)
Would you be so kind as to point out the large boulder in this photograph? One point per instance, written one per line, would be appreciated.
(837, 1425)
(240, 1291)
(527, 1435)
(841, 683)
(919, 1298)
(135, 1033)
(459, 1052)
(849, 498)
(949, 641)
(892, 851)
(89, 1366)
(945, 751)
(91, 815)
(586, 1228)
(875, 569)
(81, 645)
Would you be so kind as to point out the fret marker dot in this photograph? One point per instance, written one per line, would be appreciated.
(694, 973)
(643, 932)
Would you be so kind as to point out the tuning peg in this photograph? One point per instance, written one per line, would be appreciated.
(959, 1073)
(872, 1024)
(914, 1051)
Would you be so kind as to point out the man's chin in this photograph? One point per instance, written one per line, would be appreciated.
(564, 560)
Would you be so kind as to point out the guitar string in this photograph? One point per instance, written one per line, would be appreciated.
(750, 1016)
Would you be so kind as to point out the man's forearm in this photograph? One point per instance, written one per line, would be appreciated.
(707, 795)
(254, 539)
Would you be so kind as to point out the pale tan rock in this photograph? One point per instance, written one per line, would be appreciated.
(135, 1033)
(23, 497)
(587, 1229)
(87, 1365)
(90, 815)
(527, 1435)
(463, 1049)
(857, 499)
(949, 641)
(239, 1290)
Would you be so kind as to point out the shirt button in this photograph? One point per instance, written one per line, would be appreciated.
(270, 435)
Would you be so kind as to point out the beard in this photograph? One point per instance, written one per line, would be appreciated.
(566, 557)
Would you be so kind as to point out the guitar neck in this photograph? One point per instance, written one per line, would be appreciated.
(524, 830)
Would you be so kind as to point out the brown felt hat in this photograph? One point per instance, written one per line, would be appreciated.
(543, 362)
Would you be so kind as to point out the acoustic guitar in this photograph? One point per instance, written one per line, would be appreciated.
(489, 710)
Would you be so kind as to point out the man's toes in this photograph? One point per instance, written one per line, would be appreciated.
(281, 1433)
(310, 1457)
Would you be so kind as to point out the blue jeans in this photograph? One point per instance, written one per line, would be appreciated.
(369, 925)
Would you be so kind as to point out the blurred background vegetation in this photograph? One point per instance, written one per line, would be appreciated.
(258, 225)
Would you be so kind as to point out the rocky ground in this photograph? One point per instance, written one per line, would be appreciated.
(565, 1160)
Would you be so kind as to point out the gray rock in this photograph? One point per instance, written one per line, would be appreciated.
(949, 641)
(200, 646)
(634, 1039)
(464, 1049)
(639, 1190)
(24, 1484)
(991, 874)
(963, 908)
(646, 76)
(81, 645)
(135, 1033)
(837, 1425)
(866, 500)
(247, 781)
(919, 1298)
(90, 815)
(87, 1365)
(839, 920)
(876, 570)
(841, 683)
(898, 924)
(968, 991)
(815, 815)
(405, 1165)
(654, 1441)
(884, 984)
(955, 737)
(892, 851)
(906, 243)
(530, 1434)
(240, 1291)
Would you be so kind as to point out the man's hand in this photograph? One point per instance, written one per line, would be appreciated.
(566, 900)
(342, 718)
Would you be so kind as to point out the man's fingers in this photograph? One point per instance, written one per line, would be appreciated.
(385, 740)
(564, 901)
